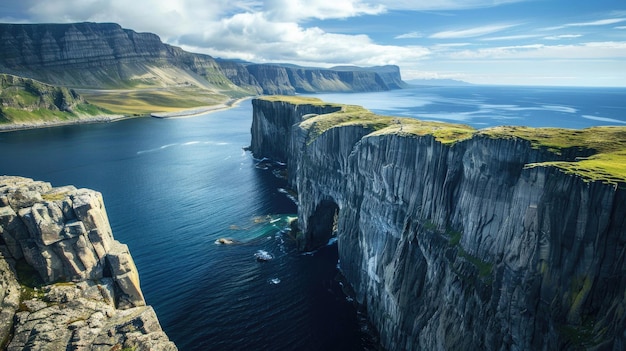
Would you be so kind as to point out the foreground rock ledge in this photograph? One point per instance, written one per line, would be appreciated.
(65, 282)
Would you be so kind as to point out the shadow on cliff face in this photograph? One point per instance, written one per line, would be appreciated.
(322, 225)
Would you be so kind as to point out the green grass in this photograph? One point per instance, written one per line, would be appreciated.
(484, 268)
(14, 115)
(606, 145)
(145, 101)
(352, 115)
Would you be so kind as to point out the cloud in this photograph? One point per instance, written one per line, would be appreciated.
(590, 50)
(563, 36)
(439, 5)
(602, 22)
(298, 10)
(597, 23)
(471, 32)
(410, 35)
(254, 37)
(511, 37)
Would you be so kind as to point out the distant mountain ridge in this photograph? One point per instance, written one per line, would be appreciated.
(105, 55)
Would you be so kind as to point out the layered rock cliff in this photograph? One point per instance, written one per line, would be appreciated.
(66, 283)
(290, 79)
(101, 55)
(105, 55)
(460, 239)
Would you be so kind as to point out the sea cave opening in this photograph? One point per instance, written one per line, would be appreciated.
(322, 224)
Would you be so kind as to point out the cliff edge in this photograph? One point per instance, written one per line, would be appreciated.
(66, 283)
(506, 238)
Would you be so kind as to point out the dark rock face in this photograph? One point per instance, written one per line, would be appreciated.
(97, 55)
(460, 246)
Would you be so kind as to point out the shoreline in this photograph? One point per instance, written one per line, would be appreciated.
(115, 118)
(199, 110)
(49, 124)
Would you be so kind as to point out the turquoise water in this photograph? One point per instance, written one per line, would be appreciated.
(174, 186)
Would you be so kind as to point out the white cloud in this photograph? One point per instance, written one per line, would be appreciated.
(410, 35)
(297, 10)
(602, 22)
(591, 50)
(254, 37)
(511, 37)
(471, 32)
(434, 5)
(563, 36)
(452, 45)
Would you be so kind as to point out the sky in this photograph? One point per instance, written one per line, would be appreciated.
(521, 42)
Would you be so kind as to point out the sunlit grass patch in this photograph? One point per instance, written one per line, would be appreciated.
(145, 101)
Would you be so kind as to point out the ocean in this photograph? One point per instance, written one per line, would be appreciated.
(172, 187)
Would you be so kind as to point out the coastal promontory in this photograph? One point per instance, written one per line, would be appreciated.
(507, 238)
(65, 282)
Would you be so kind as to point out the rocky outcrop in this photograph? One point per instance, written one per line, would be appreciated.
(462, 244)
(80, 287)
(20, 96)
(105, 55)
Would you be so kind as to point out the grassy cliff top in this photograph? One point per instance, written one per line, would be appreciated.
(607, 145)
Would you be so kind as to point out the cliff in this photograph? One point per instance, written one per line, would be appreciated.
(102, 55)
(291, 79)
(66, 283)
(455, 238)
(26, 100)
(105, 55)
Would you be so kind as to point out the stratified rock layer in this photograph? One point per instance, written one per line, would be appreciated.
(90, 297)
(105, 55)
(460, 245)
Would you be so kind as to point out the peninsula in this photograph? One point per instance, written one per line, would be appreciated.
(455, 238)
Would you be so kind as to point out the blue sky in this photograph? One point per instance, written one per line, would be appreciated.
(528, 42)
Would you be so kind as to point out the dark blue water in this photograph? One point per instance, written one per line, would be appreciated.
(174, 186)
(486, 106)
(171, 188)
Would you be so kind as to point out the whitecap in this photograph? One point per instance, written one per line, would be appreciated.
(163, 147)
(274, 281)
(560, 108)
(603, 119)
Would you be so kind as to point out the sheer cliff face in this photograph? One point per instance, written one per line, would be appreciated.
(62, 235)
(460, 246)
(288, 80)
(96, 55)
(100, 55)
